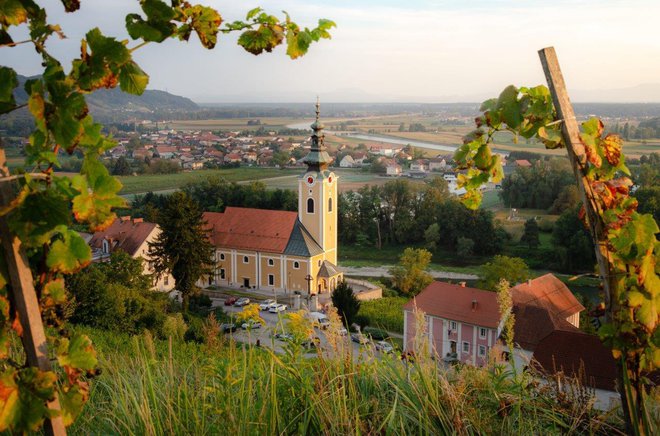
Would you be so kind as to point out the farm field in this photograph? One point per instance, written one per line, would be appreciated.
(163, 182)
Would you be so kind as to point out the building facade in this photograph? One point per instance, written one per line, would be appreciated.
(283, 251)
(460, 323)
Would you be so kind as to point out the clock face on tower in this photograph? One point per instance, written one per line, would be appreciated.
(310, 179)
(331, 178)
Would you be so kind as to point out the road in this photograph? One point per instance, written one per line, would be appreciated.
(383, 271)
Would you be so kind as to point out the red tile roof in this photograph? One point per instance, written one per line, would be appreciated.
(523, 163)
(568, 351)
(251, 229)
(548, 292)
(454, 302)
(125, 234)
(533, 323)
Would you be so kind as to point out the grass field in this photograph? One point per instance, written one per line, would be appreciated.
(162, 182)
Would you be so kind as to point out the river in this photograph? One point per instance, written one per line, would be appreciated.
(382, 138)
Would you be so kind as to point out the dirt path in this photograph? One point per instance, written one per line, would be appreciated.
(383, 271)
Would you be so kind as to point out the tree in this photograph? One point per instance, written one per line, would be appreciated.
(117, 296)
(432, 236)
(122, 167)
(410, 275)
(182, 248)
(512, 269)
(346, 303)
(649, 201)
(464, 247)
(281, 158)
(531, 234)
(572, 243)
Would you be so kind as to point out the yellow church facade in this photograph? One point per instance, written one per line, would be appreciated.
(283, 251)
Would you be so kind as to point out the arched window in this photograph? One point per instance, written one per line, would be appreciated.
(106, 246)
(329, 204)
(310, 205)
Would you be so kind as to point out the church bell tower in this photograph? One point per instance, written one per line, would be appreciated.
(317, 194)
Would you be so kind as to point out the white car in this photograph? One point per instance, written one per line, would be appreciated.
(251, 324)
(277, 308)
(267, 304)
(385, 347)
(242, 302)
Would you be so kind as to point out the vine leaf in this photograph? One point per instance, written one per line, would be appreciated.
(12, 13)
(265, 38)
(69, 254)
(132, 79)
(77, 353)
(157, 27)
(8, 82)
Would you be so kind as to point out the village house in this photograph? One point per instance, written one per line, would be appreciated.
(283, 251)
(522, 163)
(393, 169)
(419, 165)
(460, 323)
(347, 162)
(131, 235)
(437, 164)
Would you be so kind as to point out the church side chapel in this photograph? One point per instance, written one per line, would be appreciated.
(283, 251)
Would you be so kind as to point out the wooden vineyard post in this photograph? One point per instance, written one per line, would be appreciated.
(25, 298)
(577, 156)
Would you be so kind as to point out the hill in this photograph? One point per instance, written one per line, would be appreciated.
(107, 105)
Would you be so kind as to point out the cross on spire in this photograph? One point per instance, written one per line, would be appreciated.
(318, 158)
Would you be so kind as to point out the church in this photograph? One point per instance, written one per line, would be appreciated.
(283, 251)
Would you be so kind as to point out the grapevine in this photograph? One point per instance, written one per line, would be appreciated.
(626, 239)
(45, 206)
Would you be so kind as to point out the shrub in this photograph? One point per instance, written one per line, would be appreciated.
(376, 333)
(385, 313)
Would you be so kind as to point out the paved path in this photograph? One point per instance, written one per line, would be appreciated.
(383, 271)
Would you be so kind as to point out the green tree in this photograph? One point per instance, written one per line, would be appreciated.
(410, 275)
(122, 167)
(649, 201)
(512, 269)
(346, 303)
(182, 248)
(531, 234)
(464, 247)
(117, 296)
(432, 236)
(281, 158)
(572, 243)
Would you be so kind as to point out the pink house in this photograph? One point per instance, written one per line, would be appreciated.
(462, 323)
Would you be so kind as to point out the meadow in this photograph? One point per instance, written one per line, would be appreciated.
(151, 386)
(163, 182)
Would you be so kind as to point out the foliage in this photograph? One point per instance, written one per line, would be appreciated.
(464, 247)
(624, 239)
(531, 234)
(649, 201)
(174, 326)
(512, 269)
(250, 314)
(410, 275)
(573, 243)
(537, 187)
(346, 303)
(117, 296)
(299, 326)
(505, 304)
(385, 313)
(46, 205)
(182, 248)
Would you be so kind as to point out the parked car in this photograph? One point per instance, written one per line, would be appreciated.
(230, 301)
(343, 331)
(228, 328)
(284, 336)
(243, 301)
(277, 308)
(251, 324)
(384, 346)
(359, 338)
(323, 323)
(267, 304)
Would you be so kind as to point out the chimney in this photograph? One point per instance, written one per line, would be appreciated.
(462, 284)
(138, 220)
(474, 305)
(529, 282)
(125, 218)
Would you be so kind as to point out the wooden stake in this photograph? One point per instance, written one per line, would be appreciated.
(25, 299)
(578, 158)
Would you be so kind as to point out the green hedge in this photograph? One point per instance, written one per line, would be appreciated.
(385, 313)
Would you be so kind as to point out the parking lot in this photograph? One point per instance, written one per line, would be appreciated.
(276, 323)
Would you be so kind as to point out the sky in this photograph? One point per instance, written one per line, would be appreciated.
(394, 51)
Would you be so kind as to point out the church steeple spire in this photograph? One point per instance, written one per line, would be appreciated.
(318, 158)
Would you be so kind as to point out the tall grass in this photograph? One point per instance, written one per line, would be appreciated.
(168, 387)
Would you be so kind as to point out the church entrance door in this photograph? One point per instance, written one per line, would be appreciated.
(246, 282)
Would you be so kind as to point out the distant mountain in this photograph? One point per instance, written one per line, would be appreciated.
(113, 104)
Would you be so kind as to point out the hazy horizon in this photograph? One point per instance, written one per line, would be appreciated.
(383, 51)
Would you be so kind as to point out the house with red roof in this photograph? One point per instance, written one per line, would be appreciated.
(551, 294)
(461, 323)
(131, 235)
(283, 251)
